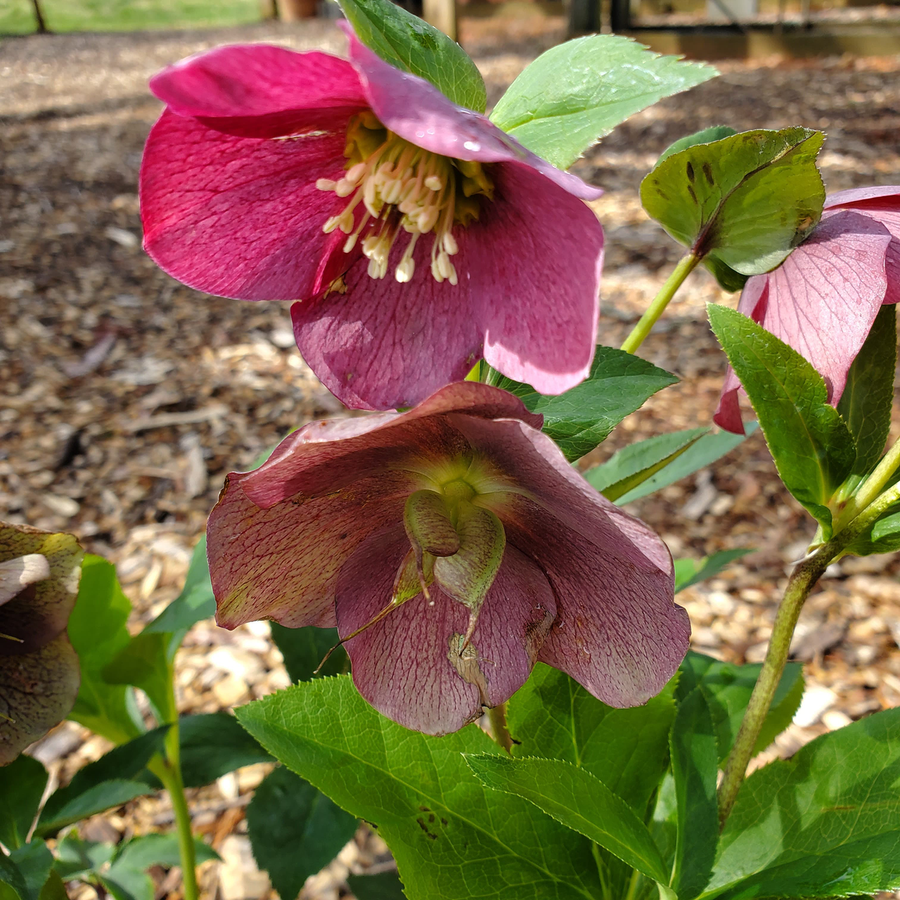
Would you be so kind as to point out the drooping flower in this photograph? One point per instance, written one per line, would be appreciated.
(39, 574)
(417, 236)
(823, 299)
(453, 546)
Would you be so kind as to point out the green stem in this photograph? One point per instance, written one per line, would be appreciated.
(870, 488)
(499, 729)
(640, 331)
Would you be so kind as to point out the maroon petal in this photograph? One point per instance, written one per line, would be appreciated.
(239, 217)
(405, 665)
(420, 113)
(535, 259)
(257, 90)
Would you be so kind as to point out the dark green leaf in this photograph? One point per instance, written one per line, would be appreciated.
(12, 883)
(706, 136)
(451, 836)
(97, 630)
(411, 44)
(868, 397)
(22, 785)
(304, 649)
(213, 744)
(295, 830)
(631, 466)
(727, 688)
(824, 823)
(693, 571)
(578, 800)
(703, 453)
(76, 858)
(695, 767)
(147, 663)
(195, 602)
(812, 447)
(583, 417)
(577, 92)
(34, 861)
(53, 888)
(745, 201)
(158, 850)
(383, 886)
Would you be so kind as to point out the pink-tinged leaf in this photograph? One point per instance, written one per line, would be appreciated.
(408, 665)
(261, 91)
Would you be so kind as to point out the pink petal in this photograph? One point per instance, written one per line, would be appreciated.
(420, 113)
(402, 665)
(282, 563)
(257, 90)
(535, 259)
(239, 217)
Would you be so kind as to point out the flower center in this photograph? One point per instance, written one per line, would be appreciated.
(402, 186)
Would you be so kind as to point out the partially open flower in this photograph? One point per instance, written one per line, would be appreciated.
(39, 574)
(453, 546)
(417, 235)
(823, 299)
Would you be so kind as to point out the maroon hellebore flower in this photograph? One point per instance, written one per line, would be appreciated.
(453, 546)
(823, 299)
(418, 236)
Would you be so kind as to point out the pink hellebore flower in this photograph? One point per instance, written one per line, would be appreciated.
(453, 546)
(823, 299)
(417, 236)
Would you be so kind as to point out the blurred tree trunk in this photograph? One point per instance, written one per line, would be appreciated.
(41, 23)
(293, 10)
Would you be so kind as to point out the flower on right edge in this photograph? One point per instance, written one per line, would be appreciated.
(454, 546)
(823, 299)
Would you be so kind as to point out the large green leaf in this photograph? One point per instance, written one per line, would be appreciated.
(76, 858)
(22, 785)
(304, 649)
(809, 441)
(213, 744)
(577, 92)
(693, 571)
(12, 882)
(381, 886)
(97, 630)
(295, 830)
(695, 768)
(706, 136)
(743, 202)
(825, 823)
(411, 44)
(581, 418)
(727, 688)
(147, 663)
(33, 861)
(578, 800)
(452, 837)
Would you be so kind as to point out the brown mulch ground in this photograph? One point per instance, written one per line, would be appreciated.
(127, 397)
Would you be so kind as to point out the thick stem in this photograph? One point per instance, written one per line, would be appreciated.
(660, 302)
(499, 730)
(870, 488)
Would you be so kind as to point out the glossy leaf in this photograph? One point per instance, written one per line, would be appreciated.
(582, 418)
(22, 785)
(695, 767)
(295, 830)
(411, 44)
(577, 92)
(451, 836)
(825, 823)
(693, 571)
(809, 441)
(304, 649)
(744, 201)
(97, 630)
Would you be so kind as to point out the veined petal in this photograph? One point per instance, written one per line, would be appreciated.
(535, 258)
(238, 217)
(258, 90)
(404, 665)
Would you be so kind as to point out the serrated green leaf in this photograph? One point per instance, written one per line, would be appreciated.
(693, 571)
(744, 201)
(868, 396)
(304, 649)
(577, 92)
(97, 630)
(827, 819)
(381, 886)
(706, 136)
(295, 830)
(451, 836)
(809, 441)
(411, 44)
(578, 420)
(22, 785)
(580, 801)
(695, 769)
